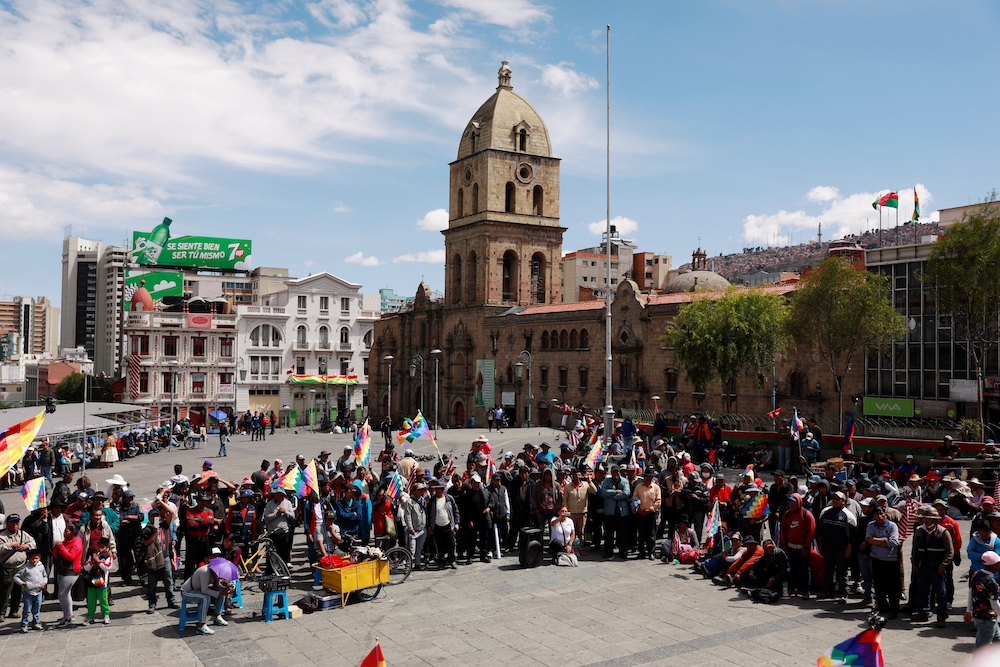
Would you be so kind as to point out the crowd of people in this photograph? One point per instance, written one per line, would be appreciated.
(833, 535)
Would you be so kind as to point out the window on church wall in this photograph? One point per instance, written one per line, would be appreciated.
(423, 334)
(510, 196)
(574, 340)
(460, 204)
(731, 387)
(563, 376)
(563, 339)
(545, 340)
(472, 277)
(538, 277)
(797, 384)
(625, 373)
(456, 278)
(522, 140)
(671, 380)
(510, 276)
(510, 374)
(584, 339)
(475, 198)
(544, 379)
(584, 376)
(554, 340)
(537, 201)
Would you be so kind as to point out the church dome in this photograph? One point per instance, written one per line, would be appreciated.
(693, 281)
(507, 122)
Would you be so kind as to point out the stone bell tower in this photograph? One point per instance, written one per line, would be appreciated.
(503, 244)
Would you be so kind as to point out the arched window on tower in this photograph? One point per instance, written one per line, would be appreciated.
(538, 277)
(475, 198)
(584, 339)
(510, 196)
(545, 340)
(797, 384)
(522, 140)
(537, 201)
(510, 278)
(510, 374)
(456, 279)
(563, 340)
(471, 279)
(574, 340)
(460, 204)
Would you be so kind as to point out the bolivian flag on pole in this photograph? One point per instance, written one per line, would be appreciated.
(916, 207)
(375, 658)
(890, 199)
(16, 439)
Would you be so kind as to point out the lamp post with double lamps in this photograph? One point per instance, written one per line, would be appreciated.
(523, 357)
(436, 353)
(418, 362)
(388, 412)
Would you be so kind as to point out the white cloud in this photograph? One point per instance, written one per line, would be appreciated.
(34, 204)
(428, 257)
(434, 221)
(823, 193)
(842, 215)
(359, 258)
(162, 285)
(622, 225)
(509, 14)
(341, 208)
(563, 79)
(336, 13)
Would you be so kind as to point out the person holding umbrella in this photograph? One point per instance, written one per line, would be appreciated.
(210, 585)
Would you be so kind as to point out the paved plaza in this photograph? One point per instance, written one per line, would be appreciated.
(601, 613)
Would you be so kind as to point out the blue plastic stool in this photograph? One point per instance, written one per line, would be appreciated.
(275, 602)
(238, 595)
(188, 617)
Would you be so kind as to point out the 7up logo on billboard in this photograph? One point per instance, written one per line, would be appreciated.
(888, 407)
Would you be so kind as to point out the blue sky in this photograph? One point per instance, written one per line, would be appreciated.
(323, 129)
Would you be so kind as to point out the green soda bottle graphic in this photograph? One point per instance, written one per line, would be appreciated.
(157, 241)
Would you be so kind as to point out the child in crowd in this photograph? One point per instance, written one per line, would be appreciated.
(98, 565)
(32, 578)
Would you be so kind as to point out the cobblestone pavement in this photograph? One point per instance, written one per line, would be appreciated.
(599, 614)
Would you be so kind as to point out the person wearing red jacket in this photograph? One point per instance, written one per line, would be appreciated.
(66, 561)
(949, 524)
(753, 553)
(798, 530)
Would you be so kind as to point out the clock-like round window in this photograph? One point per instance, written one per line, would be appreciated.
(524, 172)
(468, 176)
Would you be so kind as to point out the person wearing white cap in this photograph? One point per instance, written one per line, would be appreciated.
(407, 463)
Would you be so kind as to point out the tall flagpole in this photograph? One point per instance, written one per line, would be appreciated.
(609, 409)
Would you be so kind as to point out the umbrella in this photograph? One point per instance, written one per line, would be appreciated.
(224, 568)
(218, 415)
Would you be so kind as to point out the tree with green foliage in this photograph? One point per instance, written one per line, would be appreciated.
(964, 267)
(842, 313)
(721, 336)
(70, 388)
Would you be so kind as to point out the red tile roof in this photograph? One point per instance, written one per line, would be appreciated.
(563, 307)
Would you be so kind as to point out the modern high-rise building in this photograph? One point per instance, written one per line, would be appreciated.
(34, 323)
(79, 293)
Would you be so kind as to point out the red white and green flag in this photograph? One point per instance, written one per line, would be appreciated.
(890, 199)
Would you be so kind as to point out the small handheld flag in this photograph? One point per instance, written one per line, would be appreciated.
(33, 494)
(774, 414)
(864, 650)
(756, 507)
(374, 658)
(16, 439)
(363, 445)
(712, 523)
(396, 483)
(595, 454)
(848, 446)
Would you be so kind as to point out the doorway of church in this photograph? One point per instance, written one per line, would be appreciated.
(459, 421)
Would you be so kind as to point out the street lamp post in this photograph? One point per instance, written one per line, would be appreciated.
(523, 357)
(312, 411)
(388, 411)
(84, 372)
(173, 390)
(415, 362)
(436, 353)
(240, 376)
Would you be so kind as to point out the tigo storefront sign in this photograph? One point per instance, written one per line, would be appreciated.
(888, 407)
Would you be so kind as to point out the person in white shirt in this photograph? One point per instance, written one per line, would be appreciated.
(561, 533)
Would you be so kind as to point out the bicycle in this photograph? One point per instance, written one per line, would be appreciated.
(400, 564)
(262, 553)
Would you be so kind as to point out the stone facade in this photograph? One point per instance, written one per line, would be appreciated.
(496, 308)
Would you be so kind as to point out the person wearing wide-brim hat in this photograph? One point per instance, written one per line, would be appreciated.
(931, 554)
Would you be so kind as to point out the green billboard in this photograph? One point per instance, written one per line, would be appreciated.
(158, 248)
(888, 407)
(158, 283)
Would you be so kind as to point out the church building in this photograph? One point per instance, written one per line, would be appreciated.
(501, 334)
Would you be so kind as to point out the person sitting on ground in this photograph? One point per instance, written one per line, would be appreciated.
(682, 545)
(561, 534)
(751, 554)
(713, 565)
(769, 572)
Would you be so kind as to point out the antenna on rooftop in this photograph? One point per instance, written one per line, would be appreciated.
(819, 234)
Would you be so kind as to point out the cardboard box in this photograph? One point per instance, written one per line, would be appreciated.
(296, 611)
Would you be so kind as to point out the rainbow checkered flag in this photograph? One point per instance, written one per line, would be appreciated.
(33, 494)
(864, 650)
(595, 454)
(396, 483)
(712, 523)
(756, 507)
(363, 444)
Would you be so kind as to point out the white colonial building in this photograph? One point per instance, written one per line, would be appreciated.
(319, 328)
